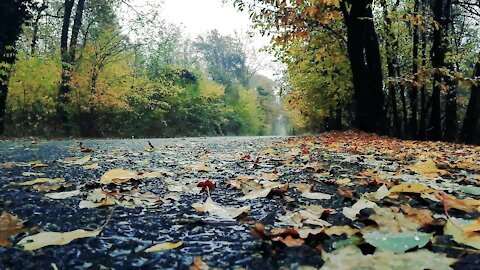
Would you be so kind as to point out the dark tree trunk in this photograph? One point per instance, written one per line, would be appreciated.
(38, 16)
(66, 69)
(364, 56)
(469, 133)
(15, 13)
(438, 52)
(451, 118)
(414, 89)
(91, 129)
(391, 45)
(423, 98)
(403, 98)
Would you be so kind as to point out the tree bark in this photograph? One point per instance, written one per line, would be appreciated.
(451, 118)
(391, 45)
(469, 133)
(15, 13)
(66, 69)
(414, 89)
(438, 52)
(423, 98)
(364, 56)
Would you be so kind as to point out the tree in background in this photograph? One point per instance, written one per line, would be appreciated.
(13, 14)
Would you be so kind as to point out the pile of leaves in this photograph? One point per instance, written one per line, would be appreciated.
(339, 200)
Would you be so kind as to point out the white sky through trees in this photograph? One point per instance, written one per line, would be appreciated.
(197, 17)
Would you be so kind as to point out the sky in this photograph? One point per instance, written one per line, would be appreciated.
(200, 16)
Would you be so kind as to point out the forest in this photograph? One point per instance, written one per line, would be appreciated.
(109, 69)
(407, 69)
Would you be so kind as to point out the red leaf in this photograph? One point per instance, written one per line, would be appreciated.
(207, 184)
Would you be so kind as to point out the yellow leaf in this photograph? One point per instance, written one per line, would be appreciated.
(41, 180)
(117, 176)
(91, 166)
(44, 239)
(460, 229)
(411, 188)
(164, 247)
(427, 168)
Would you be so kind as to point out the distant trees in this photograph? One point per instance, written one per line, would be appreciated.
(105, 68)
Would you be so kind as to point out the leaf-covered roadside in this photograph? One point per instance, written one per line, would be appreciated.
(329, 201)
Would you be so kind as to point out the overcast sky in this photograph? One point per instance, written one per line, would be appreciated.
(200, 16)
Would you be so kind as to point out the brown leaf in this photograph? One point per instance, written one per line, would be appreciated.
(10, 225)
(346, 192)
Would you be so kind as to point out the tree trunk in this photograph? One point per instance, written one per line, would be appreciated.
(423, 98)
(451, 118)
(66, 69)
(38, 16)
(438, 52)
(13, 12)
(364, 56)
(391, 45)
(403, 98)
(469, 132)
(414, 90)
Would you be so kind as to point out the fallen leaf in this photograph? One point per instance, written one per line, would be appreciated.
(44, 239)
(10, 225)
(198, 264)
(397, 242)
(345, 192)
(270, 176)
(215, 209)
(289, 241)
(62, 195)
(410, 188)
(316, 195)
(452, 202)
(427, 168)
(470, 190)
(254, 194)
(41, 181)
(91, 166)
(351, 212)
(351, 257)
(163, 247)
(339, 230)
(207, 185)
(423, 217)
(462, 231)
(381, 193)
(202, 167)
(117, 176)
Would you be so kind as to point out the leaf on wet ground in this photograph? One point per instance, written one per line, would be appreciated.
(45, 239)
(254, 194)
(62, 195)
(211, 207)
(352, 257)
(164, 246)
(410, 188)
(10, 225)
(42, 181)
(352, 212)
(427, 168)
(464, 231)
(397, 242)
